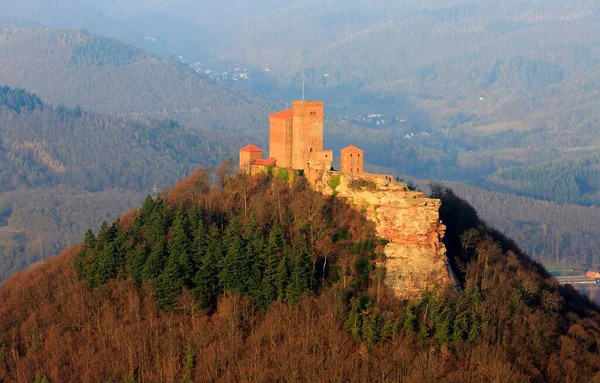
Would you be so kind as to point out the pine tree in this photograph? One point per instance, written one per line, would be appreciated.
(168, 285)
(195, 218)
(154, 263)
(206, 280)
(410, 320)
(155, 228)
(387, 331)
(354, 321)
(282, 277)
(475, 329)
(146, 210)
(106, 265)
(179, 247)
(105, 234)
(234, 275)
(272, 261)
(87, 252)
(301, 275)
(461, 328)
(443, 328)
(371, 326)
(122, 249)
(255, 254)
(136, 258)
(179, 240)
(199, 245)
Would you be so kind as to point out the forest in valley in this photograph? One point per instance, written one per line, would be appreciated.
(550, 233)
(61, 167)
(237, 277)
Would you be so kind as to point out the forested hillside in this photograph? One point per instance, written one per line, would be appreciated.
(60, 166)
(547, 231)
(254, 277)
(105, 75)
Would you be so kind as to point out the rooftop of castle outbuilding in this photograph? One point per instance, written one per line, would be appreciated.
(250, 148)
(267, 161)
(283, 114)
(352, 149)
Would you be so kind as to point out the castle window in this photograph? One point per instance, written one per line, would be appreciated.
(350, 154)
(359, 154)
(313, 113)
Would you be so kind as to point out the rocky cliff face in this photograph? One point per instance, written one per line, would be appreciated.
(415, 254)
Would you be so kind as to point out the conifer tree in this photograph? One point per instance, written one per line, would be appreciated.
(199, 245)
(272, 260)
(282, 277)
(234, 274)
(255, 255)
(195, 218)
(301, 275)
(106, 265)
(179, 248)
(155, 228)
(153, 266)
(136, 258)
(168, 285)
(179, 240)
(461, 328)
(206, 279)
(146, 210)
(122, 249)
(84, 257)
(105, 234)
(371, 326)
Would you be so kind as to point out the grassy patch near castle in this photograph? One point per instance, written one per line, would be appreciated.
(358, 184)
(283, 174)
(334, 182)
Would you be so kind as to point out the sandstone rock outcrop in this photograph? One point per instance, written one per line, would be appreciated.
(415, 254)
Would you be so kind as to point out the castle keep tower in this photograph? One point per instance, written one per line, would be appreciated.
(307, 131)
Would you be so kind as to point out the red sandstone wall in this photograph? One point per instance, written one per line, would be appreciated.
(280, 141)
(307, 131)
(245, 159)
(352, 162)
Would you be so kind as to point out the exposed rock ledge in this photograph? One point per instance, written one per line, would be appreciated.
(415, 255)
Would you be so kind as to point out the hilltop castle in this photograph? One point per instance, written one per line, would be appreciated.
(296, 142)
(415, 256)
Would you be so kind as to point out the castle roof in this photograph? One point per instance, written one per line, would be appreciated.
(352, 149)
(283, 114)
(250, 148)
(267, 161)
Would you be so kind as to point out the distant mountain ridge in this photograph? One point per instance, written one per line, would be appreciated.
(107, 76)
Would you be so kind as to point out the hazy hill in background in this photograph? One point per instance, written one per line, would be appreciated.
(105, 75)
(60, 166)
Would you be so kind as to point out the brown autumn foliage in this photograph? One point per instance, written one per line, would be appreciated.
(53, 325)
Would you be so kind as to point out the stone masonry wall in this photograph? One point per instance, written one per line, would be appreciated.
(415, 255)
